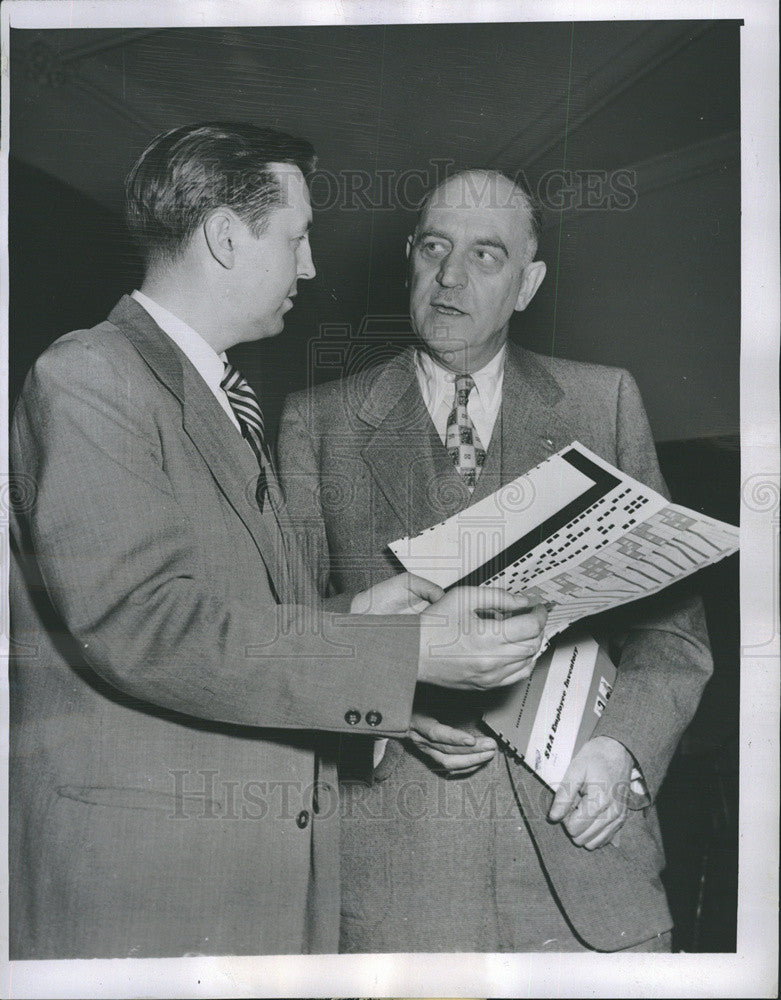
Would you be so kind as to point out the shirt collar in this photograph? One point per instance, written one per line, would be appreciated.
(437, 381)
(209, 365)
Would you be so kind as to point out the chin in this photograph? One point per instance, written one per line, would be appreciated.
(447, 345)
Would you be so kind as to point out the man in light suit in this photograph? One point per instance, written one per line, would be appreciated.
(167, 796)
(490, 861)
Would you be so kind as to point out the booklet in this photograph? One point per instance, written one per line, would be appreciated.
(546, 719)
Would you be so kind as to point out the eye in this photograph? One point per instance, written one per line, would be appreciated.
(433, 247)
(486, 256)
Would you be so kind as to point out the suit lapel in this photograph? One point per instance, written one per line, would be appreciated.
(230, 461)
(413, 469)
(530, 426)
(405, 454)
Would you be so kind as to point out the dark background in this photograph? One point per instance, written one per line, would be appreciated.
(628, 130)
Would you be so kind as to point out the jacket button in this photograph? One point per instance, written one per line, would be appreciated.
(302, 819)
(352, 717)
(373, 718)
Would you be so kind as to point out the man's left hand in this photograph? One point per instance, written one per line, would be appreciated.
(592, 799)
(453, 750)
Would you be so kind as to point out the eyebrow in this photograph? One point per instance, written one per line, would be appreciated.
(485, 241)
(493, 241)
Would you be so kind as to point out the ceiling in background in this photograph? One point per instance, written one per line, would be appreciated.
(85, 103)
(655, 289)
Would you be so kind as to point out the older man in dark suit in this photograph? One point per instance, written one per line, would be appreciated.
(167, 796)
(490, 861)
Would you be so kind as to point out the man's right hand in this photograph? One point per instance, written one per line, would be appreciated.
(475, 638)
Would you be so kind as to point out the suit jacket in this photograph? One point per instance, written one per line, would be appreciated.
(362, 465)
(166, 796)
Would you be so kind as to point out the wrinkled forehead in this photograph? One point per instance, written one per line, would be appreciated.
(477, 201)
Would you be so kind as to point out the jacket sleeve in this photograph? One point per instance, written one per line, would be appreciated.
(665, 660)
(127, 578)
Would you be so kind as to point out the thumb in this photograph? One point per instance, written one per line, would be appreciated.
(488, 600)
(424, 589)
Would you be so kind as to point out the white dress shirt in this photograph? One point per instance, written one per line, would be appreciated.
(437, 386)
(207, 362)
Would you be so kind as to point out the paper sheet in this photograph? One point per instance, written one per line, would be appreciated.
(574, 533)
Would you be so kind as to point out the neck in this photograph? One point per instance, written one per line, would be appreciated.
(463, 361)
(192, 301)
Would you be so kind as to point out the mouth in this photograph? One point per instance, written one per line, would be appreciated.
(444, 309)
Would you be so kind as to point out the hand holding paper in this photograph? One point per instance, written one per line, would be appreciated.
(464, 645)
(400, 595)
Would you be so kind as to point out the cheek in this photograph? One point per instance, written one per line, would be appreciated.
(420, 285)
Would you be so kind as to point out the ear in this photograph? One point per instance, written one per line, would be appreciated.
(408, 251)
(218, 231)
(531, 281)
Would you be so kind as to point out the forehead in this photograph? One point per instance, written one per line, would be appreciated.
(478, 205)
(293, 189)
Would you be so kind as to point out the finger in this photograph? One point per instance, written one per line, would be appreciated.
(589, 819)
(493, 599)
(567, 795)
(427, 591)
(438, 732)
(525, 627)
(466, 771)
(483, 746)
(604, 836)
(450, 763)
(455, 765)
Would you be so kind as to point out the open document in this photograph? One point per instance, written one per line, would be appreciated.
(573, 533)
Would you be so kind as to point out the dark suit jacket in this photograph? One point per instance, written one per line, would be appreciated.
(362, 464)
(162, 774)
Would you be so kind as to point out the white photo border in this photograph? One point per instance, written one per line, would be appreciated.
(753, 970)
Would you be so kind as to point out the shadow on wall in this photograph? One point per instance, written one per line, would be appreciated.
(56, 236)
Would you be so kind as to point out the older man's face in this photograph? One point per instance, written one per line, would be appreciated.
(467, 263)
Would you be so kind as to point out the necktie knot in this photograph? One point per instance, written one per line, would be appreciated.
(243, 400)
(464, 384)
(246, 408)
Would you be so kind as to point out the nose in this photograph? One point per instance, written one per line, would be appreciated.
(452, 273)
(305, 264)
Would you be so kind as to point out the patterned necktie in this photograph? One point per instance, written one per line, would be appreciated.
(246, 407)
(462, 441)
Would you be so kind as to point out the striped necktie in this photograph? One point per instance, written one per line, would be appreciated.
(246, 408)
(462, 441)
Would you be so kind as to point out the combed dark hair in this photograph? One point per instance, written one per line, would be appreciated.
(187, 172)
(518, 180)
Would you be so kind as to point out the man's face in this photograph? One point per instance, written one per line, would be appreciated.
(268, 266)
(467, 264)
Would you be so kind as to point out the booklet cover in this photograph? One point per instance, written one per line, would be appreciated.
(546, 719)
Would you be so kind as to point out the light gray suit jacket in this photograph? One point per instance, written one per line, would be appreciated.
(166, 675)
(362, 464)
